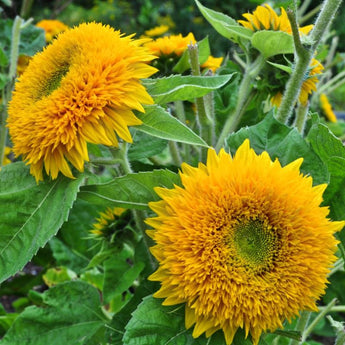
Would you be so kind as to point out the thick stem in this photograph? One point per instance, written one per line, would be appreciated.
(251, 72)
(205, 120)
(26, 8)
(318, 318)
(301, 325)
(304, 56)
(301, 115)
(175, 154)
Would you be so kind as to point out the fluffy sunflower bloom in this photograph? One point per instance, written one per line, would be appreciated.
(265, 18)
(244, 243)
(82, 88)
(212, 63)
(327, 108)
(52, 28)
(168, 45)
(157, 31)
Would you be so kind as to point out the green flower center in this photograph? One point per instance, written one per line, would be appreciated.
(256, 245)
(54, 80)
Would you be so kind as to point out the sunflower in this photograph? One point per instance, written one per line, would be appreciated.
(244, 243)
(108, 222)
(212, 63)
(23, 62)
(81, 88)
(157, 31)
(327, 108)
(170, 45)
(265, 18)
(52, 28)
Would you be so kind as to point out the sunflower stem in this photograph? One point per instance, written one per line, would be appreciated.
(318, 318)
(181, 115)
(205, 121)
(301, 116)
(301, 325)
(138, 215)
(304, 55)
(251, 72)
(26, 8)
(175, 154)
(16, 28)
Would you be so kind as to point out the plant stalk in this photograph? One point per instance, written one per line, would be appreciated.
(301, 325)
(251, 72)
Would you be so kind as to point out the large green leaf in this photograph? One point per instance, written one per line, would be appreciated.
(70, 314)
(159, 123)
(281, 142)
(155, 324)
(181, 88)
(30, 214)
(225, 25)
(271, 43)
(132, 191)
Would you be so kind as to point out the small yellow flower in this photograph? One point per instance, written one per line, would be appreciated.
(52, 28)
(81, 89)
(168, 45)
(327, 108)
(265, 18)
(212, 63)
(244, 243)
(157, 31)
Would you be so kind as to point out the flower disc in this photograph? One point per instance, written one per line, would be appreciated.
(244, 243)
(81, 88)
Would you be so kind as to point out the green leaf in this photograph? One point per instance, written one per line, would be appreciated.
(284, 68)
(281, 142)
(155, 324)
(3, 58)
(181, 88)
(203, 51)
(289, 334)
(119, 274)
(56, 275)
(32, 40)
(130, 191)
(71, 314)
(271, 43)
(332, 152)
(30, 214)
(145, 146)
(159, 123)
(225, 25)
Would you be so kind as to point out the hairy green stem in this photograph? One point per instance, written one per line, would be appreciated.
(301, 325)
(301, 115)
(304, 56)
(26, 8)
(205, 120)
(318, 318)
(250, 73)
(175, 154)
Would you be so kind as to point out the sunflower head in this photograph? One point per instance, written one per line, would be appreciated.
(157, 31)
(244, 243)
(110, 223)
(169, 49)
(265, 18)
(82, 88)
(52, 28)
(327, 108)
(212, 63)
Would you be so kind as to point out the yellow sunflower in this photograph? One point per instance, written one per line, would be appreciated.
(173, 44)
(81, 88)
(23, 62)
(157, 31)
(265, 18)
(212, 63)
(244, 243)
(52, 28)
(327, 108)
